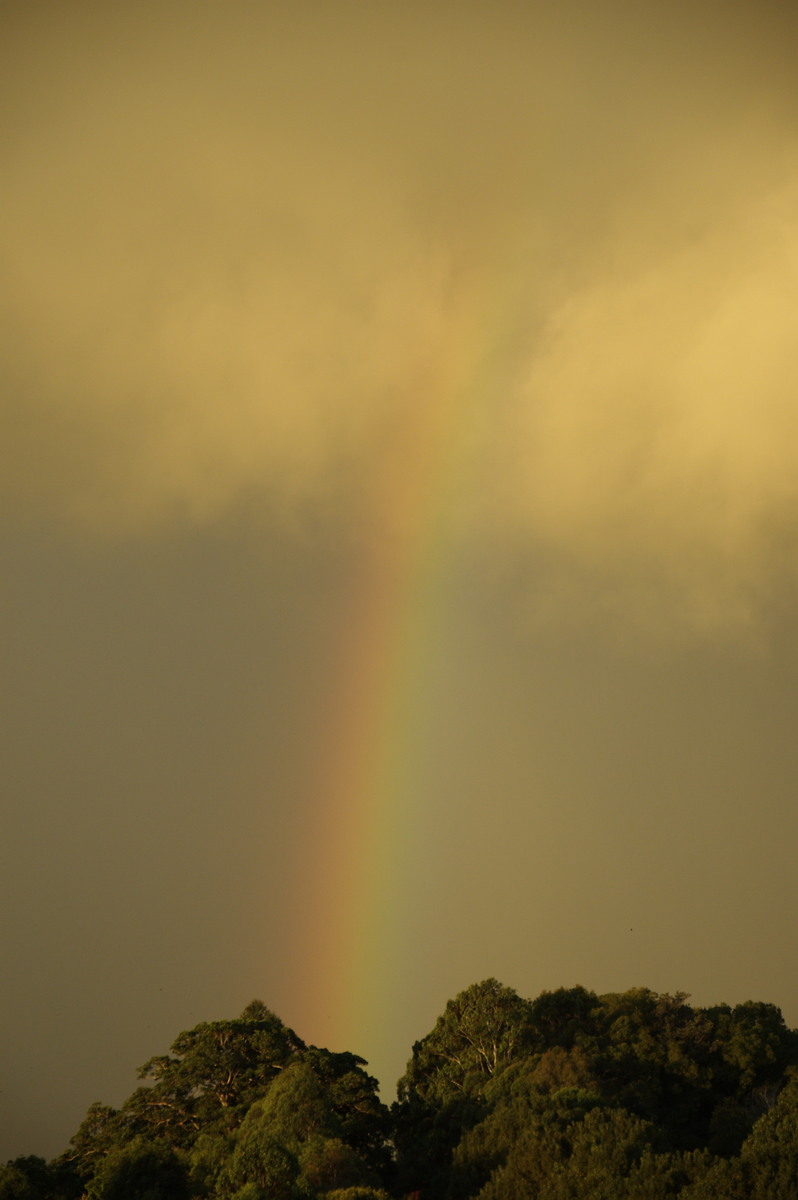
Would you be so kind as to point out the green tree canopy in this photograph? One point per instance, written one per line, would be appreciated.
(141, 1170)
(478, 1033)
(571, 1096)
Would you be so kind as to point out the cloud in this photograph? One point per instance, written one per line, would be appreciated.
(175, 340)
(247, 257)
(656, 426)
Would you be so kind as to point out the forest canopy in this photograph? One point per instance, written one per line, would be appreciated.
(571, 1095)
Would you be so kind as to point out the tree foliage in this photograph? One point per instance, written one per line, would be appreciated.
(570, 1096)
(479, 1032)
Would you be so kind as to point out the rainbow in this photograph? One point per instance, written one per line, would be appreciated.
(367, 811)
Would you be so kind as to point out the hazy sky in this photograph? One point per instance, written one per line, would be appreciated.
(399, 515)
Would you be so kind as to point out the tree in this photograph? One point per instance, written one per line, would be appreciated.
(442, 1091)
(101, 1131)
(223, 1065)
(207, 1158)
(203, 1087)
(566, 1017)
(296, 1107)
(141, 1170)
(572, 1096)
(31, 1178)
(767, 1168)
(356, 1193)
(328, 1163)
(753, 1044)
(260, 1159)
(478, 1033)
(601, 1154)
(521, 1115)
(360, 1118)
(654, 1058)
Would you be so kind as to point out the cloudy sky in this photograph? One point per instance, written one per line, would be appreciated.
(399, 514)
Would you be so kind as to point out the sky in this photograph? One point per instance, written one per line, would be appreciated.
(399, 519)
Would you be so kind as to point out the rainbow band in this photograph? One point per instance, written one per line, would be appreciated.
(368, 813)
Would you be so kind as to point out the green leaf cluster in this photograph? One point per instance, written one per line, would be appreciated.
(570, 1096)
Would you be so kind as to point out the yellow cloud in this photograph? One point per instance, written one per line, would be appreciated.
(245, 258)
